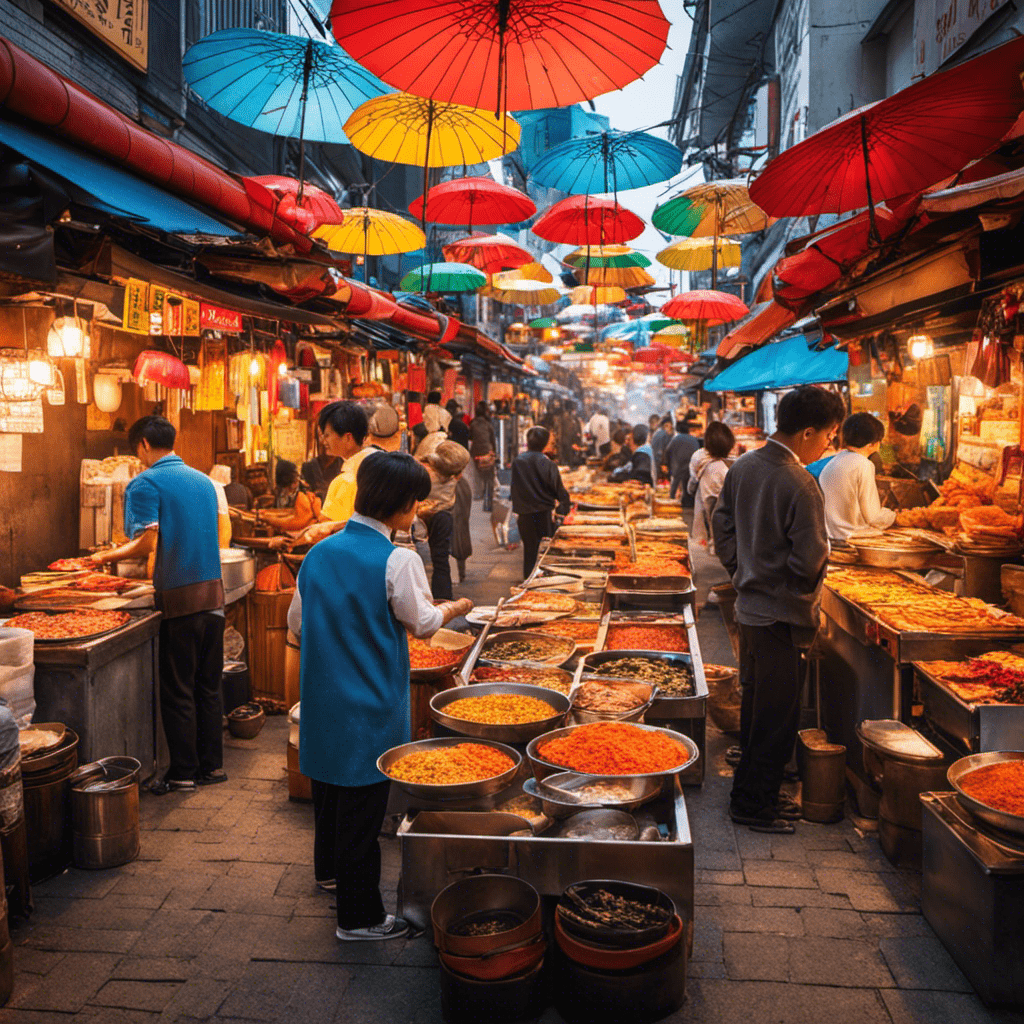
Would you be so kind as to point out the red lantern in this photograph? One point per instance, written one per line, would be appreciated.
(161, 368)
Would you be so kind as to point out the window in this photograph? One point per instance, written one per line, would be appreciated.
(206, 16)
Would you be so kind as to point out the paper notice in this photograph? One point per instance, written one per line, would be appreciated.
(10, 453)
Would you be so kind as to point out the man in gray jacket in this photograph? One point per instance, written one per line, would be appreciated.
(769, 529)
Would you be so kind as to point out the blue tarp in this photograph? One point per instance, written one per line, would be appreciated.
(103, 187)
(782, 364)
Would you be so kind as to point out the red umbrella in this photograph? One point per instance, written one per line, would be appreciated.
(489, 253)
(315, 201)
(901, 144)
(503, 54)
(472, 201)
(707, 306)
(588, 220)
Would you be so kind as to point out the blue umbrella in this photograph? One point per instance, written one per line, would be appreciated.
(782, 364)
(281, 84)
(607, 162)
(636, 331)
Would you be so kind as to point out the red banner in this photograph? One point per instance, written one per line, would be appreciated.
(214, 318)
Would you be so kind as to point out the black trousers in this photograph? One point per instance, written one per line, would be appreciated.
(439, 539)
(769, 713)
(347, 821)
(191, 666)
(533, 527)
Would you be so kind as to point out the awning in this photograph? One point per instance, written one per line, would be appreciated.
(975, 193)
(764, 323)
(97, 184)
(784, 364)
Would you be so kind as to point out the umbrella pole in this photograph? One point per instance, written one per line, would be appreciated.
(426, 163)
(867, 179)
(714, 248)
(366, 247)
(307, 67)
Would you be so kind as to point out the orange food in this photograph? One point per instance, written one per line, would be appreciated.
(613, 748)
(647, 638)
(68, 625)
(999, 786)
(422, 655)
(451, 766)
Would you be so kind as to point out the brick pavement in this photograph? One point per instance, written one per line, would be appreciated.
(219, 919)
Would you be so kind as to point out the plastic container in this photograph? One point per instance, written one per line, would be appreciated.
(822, 767)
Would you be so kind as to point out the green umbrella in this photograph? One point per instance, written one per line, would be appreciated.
(443, 277)
(602, 257)
(544, 321)
(679, 216)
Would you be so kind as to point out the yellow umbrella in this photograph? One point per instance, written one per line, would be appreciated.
(695, 254)
(591, 295)
(402, 129)
(527, 272)
(676, 335)
(372, 232)
(623, 277)
(524, 293)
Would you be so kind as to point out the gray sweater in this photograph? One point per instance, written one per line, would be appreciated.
(769, 529)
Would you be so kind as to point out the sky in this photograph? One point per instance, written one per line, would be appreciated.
(644, 103)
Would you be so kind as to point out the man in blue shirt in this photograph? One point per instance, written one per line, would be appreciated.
(170, 510)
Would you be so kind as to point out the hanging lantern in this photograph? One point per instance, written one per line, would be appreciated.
(41, 372)
(67, 338)
(154, 367)
(106, 391)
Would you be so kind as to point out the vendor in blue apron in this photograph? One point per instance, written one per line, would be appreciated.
(356, 598)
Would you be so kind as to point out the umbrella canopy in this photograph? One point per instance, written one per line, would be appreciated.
(674, 335)
(544, 321)
(710, 307)
(696, 254)
(596, 295)
(504, 54)
(783, 364)
(489, 253)
(443, 277)
(525, 293)
(608, 162)
(371, 232)
(901, 144)
(469, 201)
(711, 208)
(606, 256)
(588, 220)
(281, 84)
(527, 272)
(637, 331)
(317, 204)
(611, 277)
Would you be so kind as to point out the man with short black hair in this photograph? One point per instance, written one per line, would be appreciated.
(769, 532)
(171, 509)
(640, 466)
(677, 461)
(536, 489)
(344, 426)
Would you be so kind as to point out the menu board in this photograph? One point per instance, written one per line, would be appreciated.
(122, 24)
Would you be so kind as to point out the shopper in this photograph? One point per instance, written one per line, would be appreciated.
(848, 481)
(707, 471)
(357, 596)
(640, 466)
(769, 532)
(458, 428)
(462, 539)
(171, 510)
(292, 492)
(483, 447)
(434, 416)
(619, 452)
(599, 430)
(660, 439)
(537, 489)
(677, 461)
(444, 460)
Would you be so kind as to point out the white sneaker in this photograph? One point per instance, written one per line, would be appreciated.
(390, 928)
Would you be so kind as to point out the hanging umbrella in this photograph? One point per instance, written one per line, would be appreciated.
(544, 321)
(403, 129)
(639, 331)
(611, 277)
(469, 201)
(489, 253)
(674, 335)
(318, 205)
(443, 277)
(901, 144)
(606, 256)
(596, 295)
(609, 161)
(371, 232)
(527, 272)
(524, 293)
(504, 54)
(709, 307)
(588, 220)
(696, 254)
(280, 84)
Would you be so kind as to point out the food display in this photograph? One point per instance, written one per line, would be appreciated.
(613, 748)
(500, 709)
(101, 583)
(989, 524)
(422, 655)
(527, 647)
(74, 625)
(657, 565)
(72, 564)
(581, 631)
(593, 695)
(647, 638)
(603, 793)
(671, 678)
(32, 741)
(993, 678)
(966, 487)
(451, 766)
(550, 679)
(544, 602)
(594, 906)
(999, 786)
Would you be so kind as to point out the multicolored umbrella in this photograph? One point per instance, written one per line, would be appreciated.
(443, 277)
(610, 277)
(528, 272)
(609, 161)
(504, 54)
(469, 201)
(540, 322)
(588, 220)
(674, 335)
(606, 256)
(696, 254)
(489, 253)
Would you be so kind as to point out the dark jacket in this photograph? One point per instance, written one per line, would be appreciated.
(677, 457)
(659, 442)
(462, 542)
(537, 485)
(638, 468)
(481, 436)
(769, 529)
(458, 431)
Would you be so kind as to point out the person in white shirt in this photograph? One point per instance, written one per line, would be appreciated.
(435, 416)
(599, 429)
(848, 481)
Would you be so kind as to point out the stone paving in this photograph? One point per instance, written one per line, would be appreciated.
(219, 919)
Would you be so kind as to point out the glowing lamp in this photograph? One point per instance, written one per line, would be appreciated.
(66, 338)
(154, 367)
(920, 346)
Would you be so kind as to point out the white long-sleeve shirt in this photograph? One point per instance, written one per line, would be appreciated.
(851, 496)
(598, 428)
(407, 589)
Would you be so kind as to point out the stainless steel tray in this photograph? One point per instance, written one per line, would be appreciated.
(501, 733)
(643, 790)
(562, 653)
(1012, 823)
(461, 791)
(663, 706)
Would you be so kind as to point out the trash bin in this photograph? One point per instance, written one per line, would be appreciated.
(105, 812)
(822, 767)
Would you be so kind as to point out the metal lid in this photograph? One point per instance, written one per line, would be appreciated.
(898, 741)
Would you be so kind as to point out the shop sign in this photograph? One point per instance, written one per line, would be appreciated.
(214, 318)
(942, 27)
(122, 24)
(135, 315)
(191, 317)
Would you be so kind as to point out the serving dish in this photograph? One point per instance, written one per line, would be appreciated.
(560, 649)
(457, 791)
(446, 640)
(1003, 820)
(642, 791)
(514, 733)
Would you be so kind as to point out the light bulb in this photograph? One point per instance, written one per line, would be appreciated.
(41, 372)
(920, 346)
(282, 370)
(254, 367)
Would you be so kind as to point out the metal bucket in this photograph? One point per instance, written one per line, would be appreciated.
(105, 812)
(822, 768)
(47, 797)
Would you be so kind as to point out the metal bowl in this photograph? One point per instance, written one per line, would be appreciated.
(602, 663)
(459, 791)
(999, 819)
(583, 716)
(432, 674)
(523, 733)
(592, 826)
(562, 649)
(644, 790)
(542, 769)
(894, 556)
